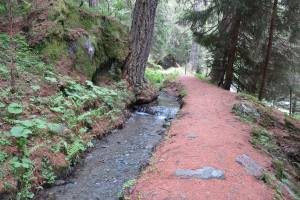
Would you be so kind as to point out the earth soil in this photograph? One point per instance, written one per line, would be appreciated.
(206, 134)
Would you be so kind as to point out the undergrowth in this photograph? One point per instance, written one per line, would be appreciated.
(265, 125)
(262, 138)
(201, 76)
(49, 115)
(26, 61)
(157, 76)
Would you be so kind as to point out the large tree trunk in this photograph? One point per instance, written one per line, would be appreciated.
(269, 49)
(234, 36)
(140, 41)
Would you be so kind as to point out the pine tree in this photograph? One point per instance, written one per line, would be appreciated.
(140, 41)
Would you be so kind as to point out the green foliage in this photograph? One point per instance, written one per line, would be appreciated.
(245, 117)
(22, 169)
(296, 117)
(183, 92)
(155, 77)
(125, 187)
(19, 8)
(15, 108)
(19, 131)
(201, 76)
(26, 61)
(153, 65)
(279, 168)
(63, 120)
(268, 178)
(249, 97)
(36, 123)
(74, 149)
(2, 105)
(47, 171)
(55, 128)
(55, 49)
(4, 73)
(262, 138)
(169, 37)
(51, 79)
(158, 77)
(81, 102)
(4, 142)
(272, 181)
(3, 156)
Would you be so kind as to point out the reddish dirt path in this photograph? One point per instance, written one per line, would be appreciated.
(220, 138)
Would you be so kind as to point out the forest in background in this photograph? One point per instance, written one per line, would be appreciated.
(254, 46)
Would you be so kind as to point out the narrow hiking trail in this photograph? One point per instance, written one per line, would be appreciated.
(206, 134)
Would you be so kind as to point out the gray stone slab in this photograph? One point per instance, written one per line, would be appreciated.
(205, 173)
(252, 167)
(191, 136)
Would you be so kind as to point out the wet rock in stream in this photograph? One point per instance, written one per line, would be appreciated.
(117, 158)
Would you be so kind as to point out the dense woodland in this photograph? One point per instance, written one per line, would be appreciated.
(69, 68)
(254, 45)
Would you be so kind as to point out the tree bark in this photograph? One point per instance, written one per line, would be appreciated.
(294, 107)
(269, 49)
(291, 102)
(12, 66)
(93, 3)
(194, 56)
(141, 35)
(234, 36)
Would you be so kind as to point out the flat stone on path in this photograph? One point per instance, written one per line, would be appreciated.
(205, 173)
(191, 136)
(251, 165)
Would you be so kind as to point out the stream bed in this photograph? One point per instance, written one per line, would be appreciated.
(120, 156)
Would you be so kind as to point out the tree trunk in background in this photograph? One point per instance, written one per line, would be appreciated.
(294, 107)
(12, 66)
(93, 3)
(291, 102)
(194, 56)
(218, 70)
(269, 49)
(234, 36)
(141, 35)
(194, 59)
(224, 61)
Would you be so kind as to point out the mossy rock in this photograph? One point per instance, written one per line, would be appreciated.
(90, 40)
(114, 39)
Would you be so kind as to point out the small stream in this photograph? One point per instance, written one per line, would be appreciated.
(120, 156)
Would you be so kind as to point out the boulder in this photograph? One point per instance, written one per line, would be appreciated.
(246, 109)
(145, 94)
(97, 45)
(168, 61)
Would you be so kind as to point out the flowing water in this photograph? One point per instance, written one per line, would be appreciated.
(120, 156)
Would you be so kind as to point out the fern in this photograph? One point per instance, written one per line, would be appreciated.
(75, 148)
